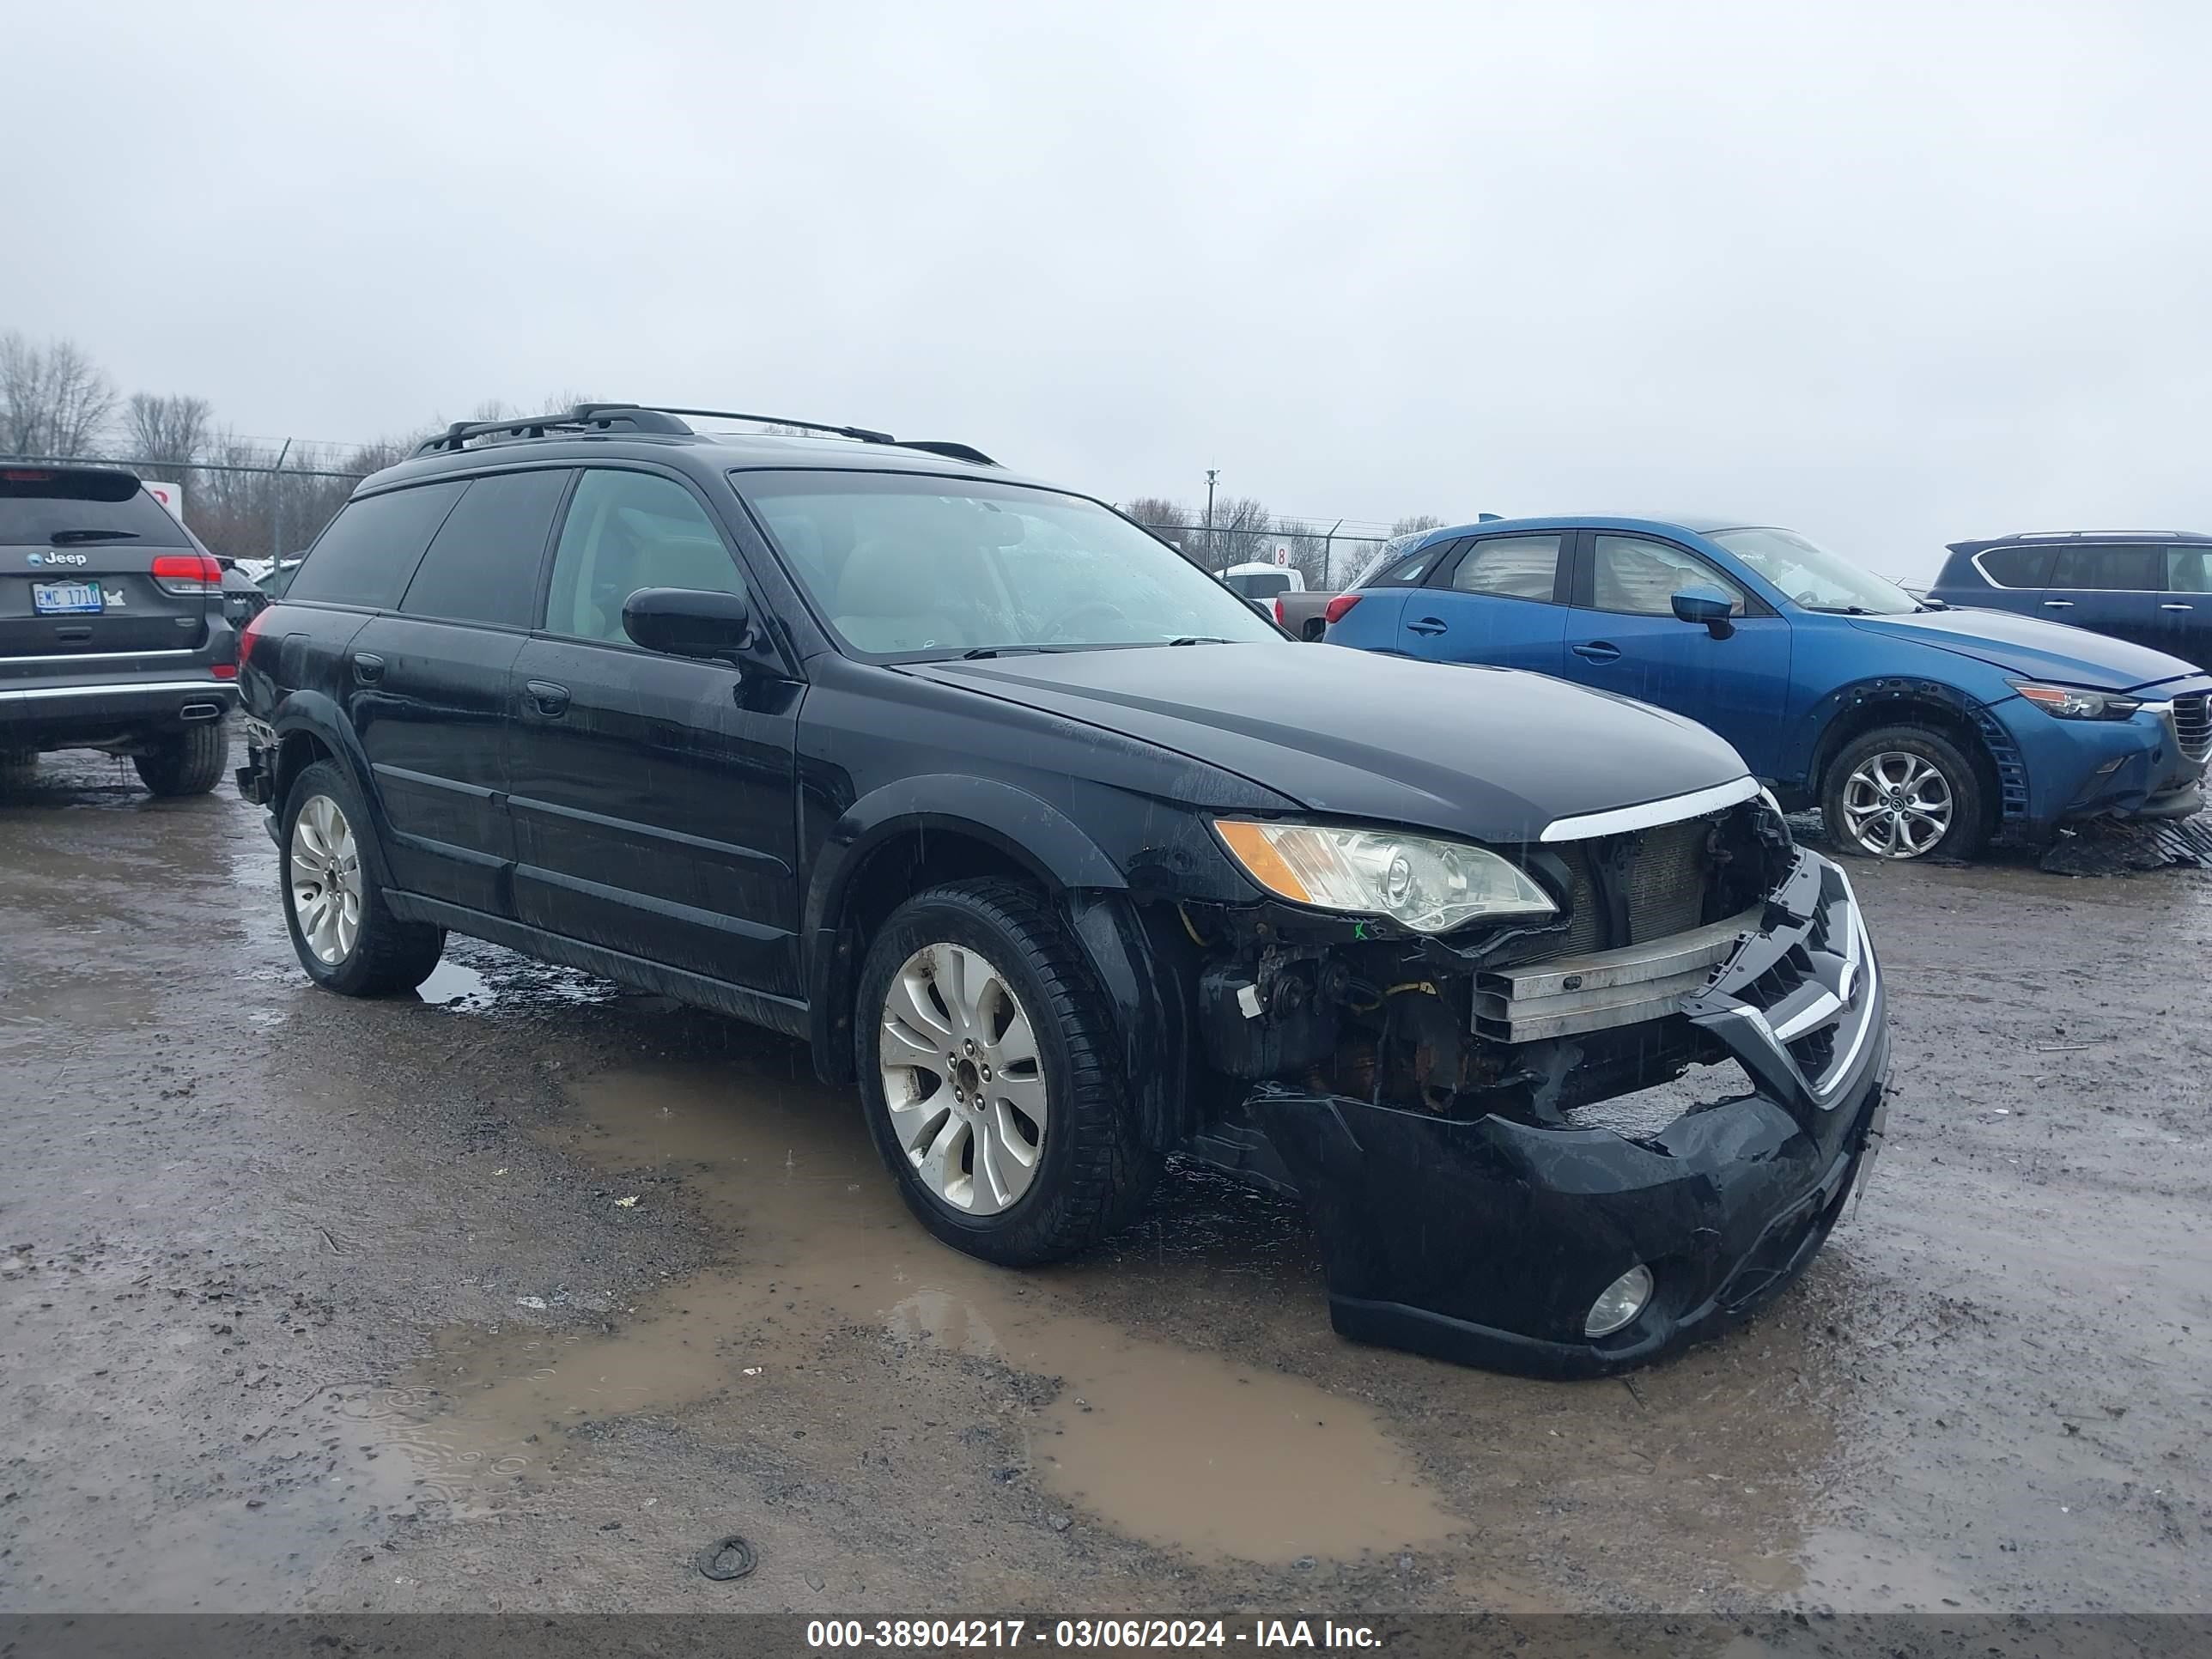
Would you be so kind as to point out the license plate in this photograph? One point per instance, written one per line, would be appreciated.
(65, 599)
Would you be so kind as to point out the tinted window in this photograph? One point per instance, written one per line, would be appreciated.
(2017, 567)
(372, 546)
(2189, 570)
(2142, 569)
(627, 530)
(39, 503)
(483, 566)
(1641, 578)
(1512, 567)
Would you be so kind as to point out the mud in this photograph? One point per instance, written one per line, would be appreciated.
(309, 1304)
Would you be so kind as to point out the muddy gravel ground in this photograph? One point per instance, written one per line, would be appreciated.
(515, 1293)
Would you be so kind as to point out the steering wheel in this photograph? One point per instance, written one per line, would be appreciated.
(1104, 609)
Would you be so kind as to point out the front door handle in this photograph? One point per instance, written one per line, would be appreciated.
(2176, 607)
(2058, 605)
(1597, 651)
(1427, 625)
(369, 668)
(547, 698)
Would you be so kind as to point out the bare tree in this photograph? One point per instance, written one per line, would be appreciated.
(166, 431)
(54, 400)
(1413, 523)
(1239, 532)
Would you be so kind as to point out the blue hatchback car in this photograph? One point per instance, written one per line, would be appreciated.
(1916, 729)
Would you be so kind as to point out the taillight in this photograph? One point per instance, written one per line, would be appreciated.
(1279, 612)
(248, 634)
(187, 573)
(1339, 606)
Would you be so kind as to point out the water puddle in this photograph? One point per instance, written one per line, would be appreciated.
(1162, 1442)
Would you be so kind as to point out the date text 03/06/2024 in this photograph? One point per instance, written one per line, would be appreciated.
(831, 1635)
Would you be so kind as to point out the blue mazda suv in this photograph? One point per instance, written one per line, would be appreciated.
(1915, 729)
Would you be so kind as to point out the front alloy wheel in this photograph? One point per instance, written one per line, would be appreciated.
(327, 884)
(963, 1081)
(1898, 805)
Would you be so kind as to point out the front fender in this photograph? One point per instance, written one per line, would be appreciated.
(1032, 832)
(1812, 744)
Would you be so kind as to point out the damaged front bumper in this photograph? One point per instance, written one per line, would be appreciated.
(1487, 1240)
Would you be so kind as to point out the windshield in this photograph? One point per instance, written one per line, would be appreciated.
(905, 565)
(1815, 578)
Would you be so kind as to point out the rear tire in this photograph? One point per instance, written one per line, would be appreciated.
(189, 762)
(1907, 791)
(344, 934)
(19, 768)
(1064, 1164)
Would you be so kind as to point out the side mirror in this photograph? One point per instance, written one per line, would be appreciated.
(689, 622)
(1706, 605)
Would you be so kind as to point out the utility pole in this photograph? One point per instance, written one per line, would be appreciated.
(1212, 473)
(276, 523)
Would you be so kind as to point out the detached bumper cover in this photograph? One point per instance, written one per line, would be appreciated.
(1486, 1241)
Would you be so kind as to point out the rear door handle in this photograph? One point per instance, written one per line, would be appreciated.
(369, 668)
(547, 698)
(2176, 607)
(2058, 605)
(1427, 625)
(1597, 651)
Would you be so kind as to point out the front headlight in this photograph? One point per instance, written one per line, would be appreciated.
(1430, 886)
(2070, 702)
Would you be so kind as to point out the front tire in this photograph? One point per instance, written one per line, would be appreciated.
(989, 1075)
(344, 934)
(189, 762)
(1907, 791)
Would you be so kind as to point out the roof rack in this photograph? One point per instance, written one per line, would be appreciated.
(666, 421)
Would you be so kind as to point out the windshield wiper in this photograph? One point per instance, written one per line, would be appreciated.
(66, 537)
(978, 652)
(1198, 639)
(1841, 610)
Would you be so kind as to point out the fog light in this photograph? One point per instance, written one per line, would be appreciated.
(1622, 1300)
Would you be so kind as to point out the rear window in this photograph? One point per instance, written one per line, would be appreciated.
(81, 504)
(1259, 584)
(483, 566)
(369, 552)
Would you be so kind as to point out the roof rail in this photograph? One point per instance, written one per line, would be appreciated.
(665, 420)
(583, 417)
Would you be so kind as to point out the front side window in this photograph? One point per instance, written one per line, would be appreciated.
(1815, 578)
(370, 551)
(1640, 578)
(1510, 566)
(908, 565)
(2114, 570)
(2189, 570)
(482, 567)
(626, 531)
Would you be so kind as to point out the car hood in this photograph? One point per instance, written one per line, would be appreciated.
(2033, 649)
(1490, 753)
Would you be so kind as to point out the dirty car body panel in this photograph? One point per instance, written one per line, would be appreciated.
(1427, 1094)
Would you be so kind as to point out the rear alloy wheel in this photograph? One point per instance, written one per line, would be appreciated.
(1904, 793)
(189, 762)
(989, 1069)
(343, 931)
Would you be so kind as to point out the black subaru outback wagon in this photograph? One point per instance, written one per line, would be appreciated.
(1070, 860)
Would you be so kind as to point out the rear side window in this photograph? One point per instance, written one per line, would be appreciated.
(482, 567)
(60, 507)
(1509, 567)
(2017, 567)
(2142, 569)
(372, 546)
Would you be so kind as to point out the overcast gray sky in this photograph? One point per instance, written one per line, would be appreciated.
(1895, 276)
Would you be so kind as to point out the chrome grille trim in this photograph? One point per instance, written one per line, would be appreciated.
(2192, 724)
(1589, 826)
